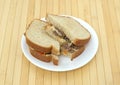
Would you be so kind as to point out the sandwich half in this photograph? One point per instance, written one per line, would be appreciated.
(67, 48)
(41, 45)
(70, 33)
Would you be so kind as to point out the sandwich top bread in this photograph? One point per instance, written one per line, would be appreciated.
(37, 38)
(73, 30)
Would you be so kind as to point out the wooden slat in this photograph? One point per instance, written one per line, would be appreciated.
(85, 75)
(47, 78)
(116, 31)
(106, 59)
(49, 8)
(99, 75)
(11, 58)
(70, 78)
(39, 76)
(18, 60)
(74, 8)
(117, 10)
(112, 28)
(43, 8)
(37, 9)
(26, 66)
(55, 78)
(24, 72)
(93, 66)
(63, 78)
(62, 7)
(1, 8)
(32, 74)
(56, 6)
(3, 21)
(68, 7)
(78, 77)
(5, 43)
(31, 13)
(80, 9)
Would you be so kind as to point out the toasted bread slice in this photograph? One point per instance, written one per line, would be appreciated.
(37, 38)
(41, 56)
(77, 34)
(44, 57)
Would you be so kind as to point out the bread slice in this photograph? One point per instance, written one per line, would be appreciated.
(44, 57)
(38, 39)
(41, 56)
(77, 34)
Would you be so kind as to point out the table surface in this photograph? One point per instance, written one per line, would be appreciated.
(102, 15)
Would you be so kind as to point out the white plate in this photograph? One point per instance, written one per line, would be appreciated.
(65, 64)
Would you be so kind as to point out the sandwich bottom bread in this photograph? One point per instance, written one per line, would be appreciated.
(45, 57)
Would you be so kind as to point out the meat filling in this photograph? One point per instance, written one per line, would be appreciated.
(67, 45)
(61, 34)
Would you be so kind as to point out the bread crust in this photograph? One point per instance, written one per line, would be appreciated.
(38, 47)
(40, 56)
(79, 42)
(55, 60)
(35, 46)
(77, 53)
(73, 54)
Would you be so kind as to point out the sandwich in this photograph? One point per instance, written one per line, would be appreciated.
(59, 35)
(41, 45)
(71, 35)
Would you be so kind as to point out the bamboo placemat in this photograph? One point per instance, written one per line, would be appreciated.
(102, 15)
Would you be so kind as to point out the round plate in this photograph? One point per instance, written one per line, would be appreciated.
(65, 64)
